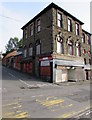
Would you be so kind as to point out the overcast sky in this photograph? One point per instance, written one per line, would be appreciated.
(13, 15)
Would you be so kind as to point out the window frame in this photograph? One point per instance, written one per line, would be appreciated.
(31, 29)
(38, 47)
(88, 40)
(25, 52)
(38, 25)
(69, 25)
(85, 62)
(26, 33)
(83, 38)
(61, 45)
(77, 28)
(70, 45)
(59, 20)
(78, 50)
(30, 49)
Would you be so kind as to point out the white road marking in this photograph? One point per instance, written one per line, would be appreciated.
(24, 83)
(87, 113)
(37, 96)
(11, 75)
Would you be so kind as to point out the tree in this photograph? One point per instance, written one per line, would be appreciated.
(13, 44)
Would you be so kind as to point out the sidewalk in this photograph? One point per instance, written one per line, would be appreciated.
(75, 83)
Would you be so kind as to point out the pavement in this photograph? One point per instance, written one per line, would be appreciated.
(24, 96)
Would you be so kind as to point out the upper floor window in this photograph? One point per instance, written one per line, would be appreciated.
(89, 61)
(69, 25)
(30, 50)
(70, 47)
(85, 61)
(84, 51)
(89, 52)
(38, 47)
(59, 20)
(38, 25)
(25, 52)
(77, 29)
(60, 48)
(78, 49)
(83, 38)
(26, 33)
(31, 29)
(88, 40)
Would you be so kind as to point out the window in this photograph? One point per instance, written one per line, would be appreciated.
(60, 46)
(25, 52)
(77, 29)
(83, 38)
(59, 20)
(26, 33)
(30, 50)
(31, 29)
(84, 51)
(69, 25)
(38, 25)
(70, 47)
(89, 52)
(89, 61)
(85, 61)
(78, 49)
(38, 47)
(88, 40)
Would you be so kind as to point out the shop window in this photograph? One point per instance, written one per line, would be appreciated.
(30, 50)
(38, 47)
(59, 20)
(69, 25)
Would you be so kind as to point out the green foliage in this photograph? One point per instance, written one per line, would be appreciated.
(13, 44)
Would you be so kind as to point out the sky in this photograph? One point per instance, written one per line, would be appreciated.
(14, 15)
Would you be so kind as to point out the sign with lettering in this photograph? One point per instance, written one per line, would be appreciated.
(45, 63)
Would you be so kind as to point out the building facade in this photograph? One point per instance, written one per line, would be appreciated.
(55, 47)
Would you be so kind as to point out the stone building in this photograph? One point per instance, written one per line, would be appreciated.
(54, 47)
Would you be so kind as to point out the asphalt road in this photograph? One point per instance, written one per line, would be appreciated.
(26, 97)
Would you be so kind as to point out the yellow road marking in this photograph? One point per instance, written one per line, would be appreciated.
(10, 104)
(50, 102)
(51, 97)
(21, 115)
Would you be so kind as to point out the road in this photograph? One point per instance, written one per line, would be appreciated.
(26, 97)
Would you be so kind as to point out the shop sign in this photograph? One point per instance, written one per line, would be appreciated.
(45, 63)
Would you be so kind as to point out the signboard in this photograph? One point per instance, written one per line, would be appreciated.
(45, 63)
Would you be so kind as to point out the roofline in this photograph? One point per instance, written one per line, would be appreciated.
(86, 32)
(52, 5)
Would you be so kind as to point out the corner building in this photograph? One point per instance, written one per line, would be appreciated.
(55, 47)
